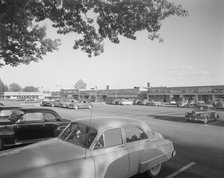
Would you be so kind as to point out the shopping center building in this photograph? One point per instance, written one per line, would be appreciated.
(208, 94)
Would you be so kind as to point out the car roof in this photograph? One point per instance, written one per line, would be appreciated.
(36, 109)
(9, 107)
(101, 123)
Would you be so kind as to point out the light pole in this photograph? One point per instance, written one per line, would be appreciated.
(96, 93)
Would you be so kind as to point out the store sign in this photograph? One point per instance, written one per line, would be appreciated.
(189, 90)
(205, 90)
(219, 90)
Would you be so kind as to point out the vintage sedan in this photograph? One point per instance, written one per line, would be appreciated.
(202, 113)
(28, 125)
(91, 148)
(79, 105)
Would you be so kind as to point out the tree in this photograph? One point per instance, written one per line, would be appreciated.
(80, 84)
(3, 88)
(21, 41)
(14, 87)
(30, 89)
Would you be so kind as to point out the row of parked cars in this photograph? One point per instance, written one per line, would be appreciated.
(84, 148)
(65, 103)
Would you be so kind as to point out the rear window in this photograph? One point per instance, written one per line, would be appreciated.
(5, 113)
(109, 138)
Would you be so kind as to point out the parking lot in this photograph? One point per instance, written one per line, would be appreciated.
(199, 147)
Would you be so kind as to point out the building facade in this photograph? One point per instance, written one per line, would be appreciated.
(208, 94)
(26, 95)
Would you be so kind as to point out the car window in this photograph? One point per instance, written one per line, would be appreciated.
(49, 117)
(109, 138)
(134, 134)
(32, 117)
(79, 134)
(4, 113)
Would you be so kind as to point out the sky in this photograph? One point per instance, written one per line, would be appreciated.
(192, 54)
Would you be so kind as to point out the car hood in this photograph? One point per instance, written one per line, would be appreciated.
(39, 155)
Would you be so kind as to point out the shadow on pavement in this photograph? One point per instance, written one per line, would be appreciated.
(168, 118)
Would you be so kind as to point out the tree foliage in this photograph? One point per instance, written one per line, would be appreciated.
(14, 87)
(94, 20)
(30, 89)
(80, 84)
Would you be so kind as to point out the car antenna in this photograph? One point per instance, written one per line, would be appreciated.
(88, 129)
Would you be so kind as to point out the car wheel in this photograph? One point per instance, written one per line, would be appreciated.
(154, 171)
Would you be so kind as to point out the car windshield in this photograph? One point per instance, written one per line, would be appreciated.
(79, 134)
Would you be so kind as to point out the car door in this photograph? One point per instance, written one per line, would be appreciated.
(136, 139)
(53, 126)
(110, 155)
(30, 126)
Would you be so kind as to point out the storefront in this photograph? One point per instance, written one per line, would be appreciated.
(207, 94)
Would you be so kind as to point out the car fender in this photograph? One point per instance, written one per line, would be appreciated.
(82, 168)
(157, 151)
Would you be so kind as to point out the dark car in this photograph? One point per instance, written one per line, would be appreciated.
(29, 125)
(202, 113)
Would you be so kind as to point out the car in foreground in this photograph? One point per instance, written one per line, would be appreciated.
(202, 113)
(29, 125)
(96, 148)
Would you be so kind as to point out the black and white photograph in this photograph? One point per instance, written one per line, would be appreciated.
(111, 88)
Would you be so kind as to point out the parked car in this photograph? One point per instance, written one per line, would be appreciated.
(219, 104)
(57, 103)
(126, 102)
(6, 111)
(80, 105)
(173, 102)
(28, 125)
(154, 103)
(47, 103)
(105, 148)
(144, 102)
(183, 104)
(202, 113)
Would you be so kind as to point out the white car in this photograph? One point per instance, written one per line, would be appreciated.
(97, 148)
(126, 102)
